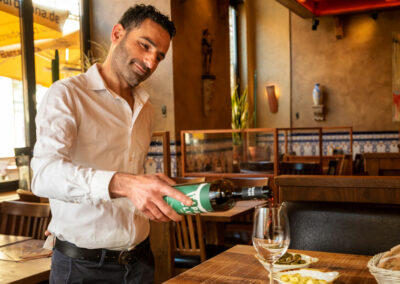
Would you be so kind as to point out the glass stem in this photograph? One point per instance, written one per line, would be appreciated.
(271, 279)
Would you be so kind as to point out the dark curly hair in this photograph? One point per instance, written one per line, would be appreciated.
(134, 16)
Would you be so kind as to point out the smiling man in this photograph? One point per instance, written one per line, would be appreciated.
(93, 133)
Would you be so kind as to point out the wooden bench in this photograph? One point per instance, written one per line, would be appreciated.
(343, 214)
(342, 227)
(382, 164)
(360, 189)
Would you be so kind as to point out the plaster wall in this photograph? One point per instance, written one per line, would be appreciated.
(191, 18)
(355, 72)
(272, 61)
(104, 14)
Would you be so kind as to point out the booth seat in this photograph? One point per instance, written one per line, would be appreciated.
(354, 228)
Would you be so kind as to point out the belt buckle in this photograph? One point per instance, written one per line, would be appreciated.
(123, 257)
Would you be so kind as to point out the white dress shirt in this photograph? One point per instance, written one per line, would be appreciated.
(86, 133)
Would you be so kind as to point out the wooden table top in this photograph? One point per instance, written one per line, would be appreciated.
(29, 271)
(241, 208)
(238, 265)
(6, 240)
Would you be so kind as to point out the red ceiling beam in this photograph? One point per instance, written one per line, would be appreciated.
(335, 7)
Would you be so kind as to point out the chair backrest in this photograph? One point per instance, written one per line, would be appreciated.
(187, 238)
(164, 136)
(24, 218)
(26, 195)
(359, 164)
(333, 167)
(355, 228)
(183, 180)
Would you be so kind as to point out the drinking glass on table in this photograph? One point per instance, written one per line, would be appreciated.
(271, 233)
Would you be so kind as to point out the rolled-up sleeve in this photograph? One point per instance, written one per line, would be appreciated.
(54, 174)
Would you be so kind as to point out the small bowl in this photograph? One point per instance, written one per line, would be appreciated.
(329, 276)
(277, 267)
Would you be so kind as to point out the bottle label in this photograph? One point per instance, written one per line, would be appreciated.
(253, 192)
(199, 193)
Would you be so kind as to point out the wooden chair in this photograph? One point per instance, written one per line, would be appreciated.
(332, 168)
(187, 243)
(240, 230)
(164, 136)
(24, 218)
(26, 195)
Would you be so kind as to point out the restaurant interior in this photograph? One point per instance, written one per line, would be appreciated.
(298, 96)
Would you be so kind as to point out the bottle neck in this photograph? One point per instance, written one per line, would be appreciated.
(252, 193)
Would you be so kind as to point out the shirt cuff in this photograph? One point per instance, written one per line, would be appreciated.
(99, 186)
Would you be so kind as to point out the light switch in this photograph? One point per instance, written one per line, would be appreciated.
(164, 110)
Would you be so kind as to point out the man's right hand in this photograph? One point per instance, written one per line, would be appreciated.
(146, 192)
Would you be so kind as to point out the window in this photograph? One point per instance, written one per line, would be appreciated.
(56, 27)
(233, 47)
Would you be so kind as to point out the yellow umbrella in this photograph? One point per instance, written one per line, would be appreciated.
(69, 54)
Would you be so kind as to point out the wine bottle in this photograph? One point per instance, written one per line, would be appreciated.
(219, 195)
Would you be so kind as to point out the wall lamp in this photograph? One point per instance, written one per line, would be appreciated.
(315, 23)
(272, 99)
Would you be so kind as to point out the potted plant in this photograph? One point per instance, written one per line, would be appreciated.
(240, 115)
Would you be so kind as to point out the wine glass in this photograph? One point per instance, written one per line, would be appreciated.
(271, 233)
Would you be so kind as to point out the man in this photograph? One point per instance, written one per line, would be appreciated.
(93, 133)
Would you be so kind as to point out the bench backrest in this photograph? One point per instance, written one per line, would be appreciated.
(355, 228)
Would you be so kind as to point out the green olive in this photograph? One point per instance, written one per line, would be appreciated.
(290, 259)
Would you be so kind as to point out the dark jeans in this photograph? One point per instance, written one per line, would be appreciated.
(65, 269)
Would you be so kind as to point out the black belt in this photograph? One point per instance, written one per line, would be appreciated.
(111, 256)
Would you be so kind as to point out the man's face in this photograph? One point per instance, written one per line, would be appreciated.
(139, 51)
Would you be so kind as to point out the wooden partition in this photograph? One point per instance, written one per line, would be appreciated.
(194, 143)
(164, 135)
(382, 164)
(344, 162)
(360, 189)
(159, 231)
(240, 151)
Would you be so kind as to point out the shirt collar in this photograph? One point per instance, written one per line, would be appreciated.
(96, 83)
(94, 80)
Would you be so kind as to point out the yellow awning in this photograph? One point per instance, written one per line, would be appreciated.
(69, 54)
(48, 22)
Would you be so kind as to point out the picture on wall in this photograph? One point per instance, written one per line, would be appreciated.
(396, 76)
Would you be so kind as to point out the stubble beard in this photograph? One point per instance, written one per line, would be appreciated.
(124, 69)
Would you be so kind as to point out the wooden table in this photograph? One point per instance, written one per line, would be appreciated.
(241, 208)
(6, 240)
(30, 271)
(238, 265)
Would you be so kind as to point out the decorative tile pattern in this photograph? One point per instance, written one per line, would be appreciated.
(217, 155)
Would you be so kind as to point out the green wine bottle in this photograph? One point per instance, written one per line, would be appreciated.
(219, 195)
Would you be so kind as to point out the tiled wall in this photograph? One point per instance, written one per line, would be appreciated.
(217, 156)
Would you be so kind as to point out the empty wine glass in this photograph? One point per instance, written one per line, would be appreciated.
(271, 233)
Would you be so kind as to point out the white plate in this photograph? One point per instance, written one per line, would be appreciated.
(314, 273)
(277, 267)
